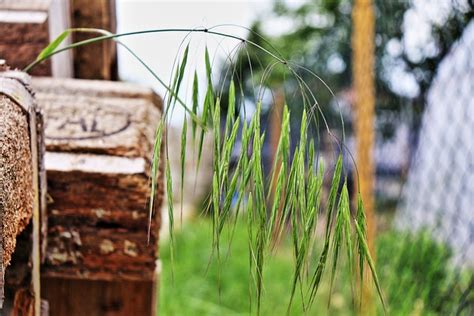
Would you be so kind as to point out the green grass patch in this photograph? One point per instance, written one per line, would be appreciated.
(415, 273)
(200, 287)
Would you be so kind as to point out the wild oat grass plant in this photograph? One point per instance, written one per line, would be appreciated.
(244, 191)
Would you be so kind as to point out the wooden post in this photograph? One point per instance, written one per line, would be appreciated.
(275, 132)
(275, 122)
(27, 27)
(22, 199)
(363, 77)
(99, 144)
(98, 60)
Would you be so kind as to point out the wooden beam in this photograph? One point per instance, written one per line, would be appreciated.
(98, 60)
(21, 195)
(99, 144)
(27, 27)
(97, 298)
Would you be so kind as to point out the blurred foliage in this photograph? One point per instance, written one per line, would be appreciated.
(202, 286)
(418, 275)
(320, 40)
(415, 271)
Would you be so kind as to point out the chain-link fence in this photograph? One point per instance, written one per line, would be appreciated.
(438, 195)
(439, 191)
(425, 178)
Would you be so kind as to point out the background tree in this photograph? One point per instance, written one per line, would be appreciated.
(318, 37)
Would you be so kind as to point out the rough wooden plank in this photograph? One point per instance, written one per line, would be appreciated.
(107, 126)
(99, 140)
(19, 293)
(98, 60)
(101, 253)
(41, 5)
(95, 88)
(97, 298)
(16, 170)
(27, 27)
(20, 52)
(21, 194)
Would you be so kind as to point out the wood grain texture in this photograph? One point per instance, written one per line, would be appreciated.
(20, 43)
(42, 5)
(16, 172)
(94, 88)
(100, 298)
(99, 141)
(21, 193)
(27, 27)
(98, 60)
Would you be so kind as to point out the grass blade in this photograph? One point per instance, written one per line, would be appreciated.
(48, 50)
(370, 262)
(195, 103)
(169, 192)
(184, 133)
(330, 209)
(157, 148)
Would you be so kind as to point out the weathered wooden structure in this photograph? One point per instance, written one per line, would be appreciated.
(22, 196)
(99, 143)
(98, 60)
(27, 26)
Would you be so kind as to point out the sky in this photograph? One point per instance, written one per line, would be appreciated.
(160, 50)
